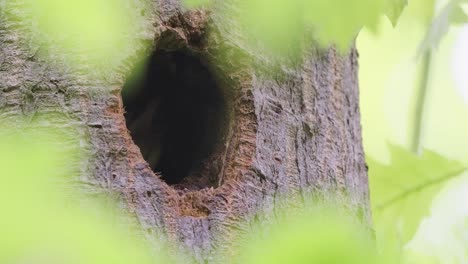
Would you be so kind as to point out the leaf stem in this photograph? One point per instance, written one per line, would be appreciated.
(421, 98)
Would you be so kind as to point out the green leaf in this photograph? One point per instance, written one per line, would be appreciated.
(84, 32)
(325, 237)
(394, 8)
(339, 21)
(452, 13)
(42, 220)
(284, 29)
(196, 3)
(402, 191)
(459, 16)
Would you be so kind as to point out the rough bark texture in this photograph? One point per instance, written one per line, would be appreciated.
(298, 133)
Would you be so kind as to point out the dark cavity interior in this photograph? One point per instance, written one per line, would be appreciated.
(174, 111)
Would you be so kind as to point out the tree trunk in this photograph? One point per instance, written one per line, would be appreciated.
(225, 147)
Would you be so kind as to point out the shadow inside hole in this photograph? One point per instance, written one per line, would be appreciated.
(174, 111)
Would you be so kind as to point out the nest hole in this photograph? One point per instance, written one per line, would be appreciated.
(175, 111)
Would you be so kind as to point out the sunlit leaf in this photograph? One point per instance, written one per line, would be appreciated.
(325, 237)
(402, 191)
(394, 8)
(86, 35)
(443, 235)
(339, 21)
(287, 28)
(451, 14)
(275, 28)
(40, 220)
(459, 16)
(196, 3)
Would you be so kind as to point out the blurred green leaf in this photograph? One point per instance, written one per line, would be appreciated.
(442, 236)
(339, 21)
(451, 14)
(421, 10)
(394, 8)
(196, 3)
(459, 16)
(90, 36)
(284, 29)
(325, 236)
(41, 220)
(402, 191)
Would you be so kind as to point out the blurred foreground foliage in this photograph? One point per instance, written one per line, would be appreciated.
(42, 222)
(322, 233)
(402, 193)
(39, 225)
(89, 37)
(281, 24)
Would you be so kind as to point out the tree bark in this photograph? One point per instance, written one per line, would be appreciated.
(296, 134)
